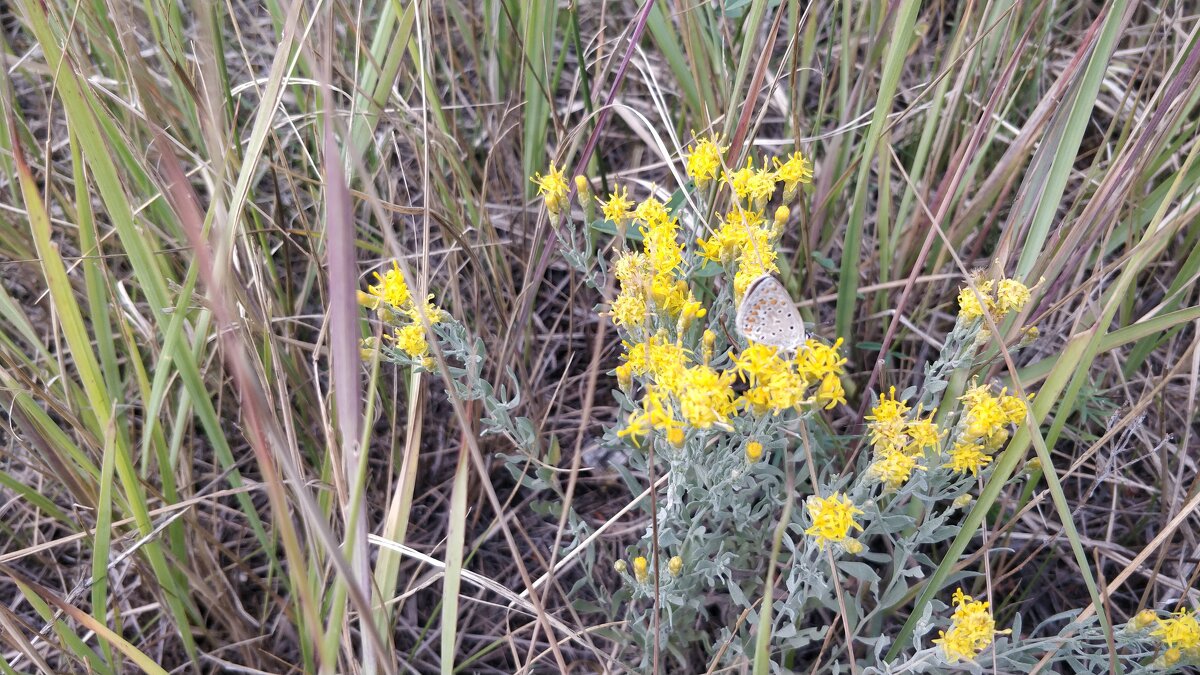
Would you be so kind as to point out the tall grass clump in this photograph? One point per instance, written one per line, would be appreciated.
(599, 337)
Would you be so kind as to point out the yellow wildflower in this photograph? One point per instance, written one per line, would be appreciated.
(893, 468)
(628, 310)
(656, 414)
(1179, 632)
(774, 385)
(833, 518)
(391, 287)
(1014, 408)
(652, 212)
(726, 244)
(972, 629)
(757, 257)
(632, 269)
(1143, 620)
(706, 397)
(962, 501)
(707, 344)
(583, 189)
(761, 186)
(830, 392)
(777, 224)
(922, 433)
(641, 569)
(740, 181)
(1011, 295)
(817, 360)
(975, 394)
(553, 186)
(676, 436)
(704, 159)
(618, 208)
(984, 418)
(966, 457)
(886, 422)
(754, 451)
(792, 173)
(658, 358)
(971, 306)
(411, 340)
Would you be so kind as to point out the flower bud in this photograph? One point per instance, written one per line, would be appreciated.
(367, 348)
(781, 216)
(583, 189)
(620, 567)
(367, 300)
(754, 451)
(708, 343)
(853, 546)
(962, 501)
(1143, 620)
(675, 566)
(676, 437)
(625, 376)
(641, 569)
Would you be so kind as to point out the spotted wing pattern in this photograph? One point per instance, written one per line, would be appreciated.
(767, 315)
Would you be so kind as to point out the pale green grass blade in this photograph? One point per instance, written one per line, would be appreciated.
(1054, 161)
(893, 63)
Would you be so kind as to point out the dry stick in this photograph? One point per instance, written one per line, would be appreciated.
(578, 550)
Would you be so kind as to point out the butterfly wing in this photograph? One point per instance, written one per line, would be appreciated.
(767, 315)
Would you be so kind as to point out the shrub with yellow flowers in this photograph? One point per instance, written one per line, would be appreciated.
(755, 498)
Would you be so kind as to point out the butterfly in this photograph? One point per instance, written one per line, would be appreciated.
(767, 315)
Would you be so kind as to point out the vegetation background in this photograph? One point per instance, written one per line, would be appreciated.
(197, 471)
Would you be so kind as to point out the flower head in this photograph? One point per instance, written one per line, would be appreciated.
(972, 629)
(553, 187)
(706, 397)
(391, 288)
(704, 159)
(792, 173)
(618, 208)
(1180, 634)
(833, 518)
(886, 421)
(754, 451)
(893, 468)
(966, 457)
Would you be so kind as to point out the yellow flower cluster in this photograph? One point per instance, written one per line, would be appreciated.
(745, 237)
(650, 281)
(778, 383)
(996, 299)
(553, 188)
(984, 427)
(618, 208)
(972, 629)
(704, 160)
(392, 300)
(833, 518)
(898, 441)
(1180, 636)
(792, 173)
(704, 396)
